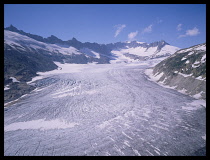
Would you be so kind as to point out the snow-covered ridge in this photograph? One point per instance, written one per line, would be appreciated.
(201, 47)
(151, 51)
(12, 39)
(119, 50)
(135, 42)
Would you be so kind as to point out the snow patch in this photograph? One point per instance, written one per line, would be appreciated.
(200, 78)
(198, 95)
(190, 53)
(204, 137)
(14, 79)
(6, 87)
(90, 52)
(62, 68)
(183, 58)
(203, 59)
(185, 75)
(153, 77)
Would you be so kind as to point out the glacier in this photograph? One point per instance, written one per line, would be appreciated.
(103, 110)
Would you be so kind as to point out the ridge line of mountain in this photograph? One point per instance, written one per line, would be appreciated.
(74, 42)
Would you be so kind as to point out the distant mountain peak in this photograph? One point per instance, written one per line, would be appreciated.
(12, 28)
(164, 42)
(74, 39)
(53, 37)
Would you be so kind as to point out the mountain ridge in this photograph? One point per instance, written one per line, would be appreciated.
(77, 44)
(184, 71)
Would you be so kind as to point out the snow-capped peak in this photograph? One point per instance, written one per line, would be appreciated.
(23, 42)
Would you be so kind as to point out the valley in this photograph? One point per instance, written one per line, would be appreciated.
(103, 109)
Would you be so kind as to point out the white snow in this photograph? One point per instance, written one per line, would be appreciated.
(185, 75)
(168, 49)
(194, 48)
(195, 104)
(62, 68)
(202, 47)
(183, 90)
(190, 53)
(104, 124)
(127, 135)
(198, 95)
(200, 78)
(140, 42)
(203, 59)
(141, 51)
(41, 124)
(14, 79)
(34, 79)
(153, 77)
(204, 137)
(90, 52)
(121, 58)
(120, 94)
(73, 92)
(6, 87)
(136, 151)
(187, 62)
(27, 42)
(195, 64)
(184, 50)
(15, 100)
(126, 143)
(183, 58)
(138, 63)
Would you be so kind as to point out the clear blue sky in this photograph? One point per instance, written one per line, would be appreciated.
(181, 25)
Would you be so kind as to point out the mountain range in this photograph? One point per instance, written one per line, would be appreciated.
(25, 54)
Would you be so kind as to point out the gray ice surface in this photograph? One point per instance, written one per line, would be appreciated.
(103, 110)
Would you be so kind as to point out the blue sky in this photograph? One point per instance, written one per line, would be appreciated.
(181, 25)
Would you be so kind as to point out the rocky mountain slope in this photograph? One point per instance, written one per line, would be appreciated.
(185, 71)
